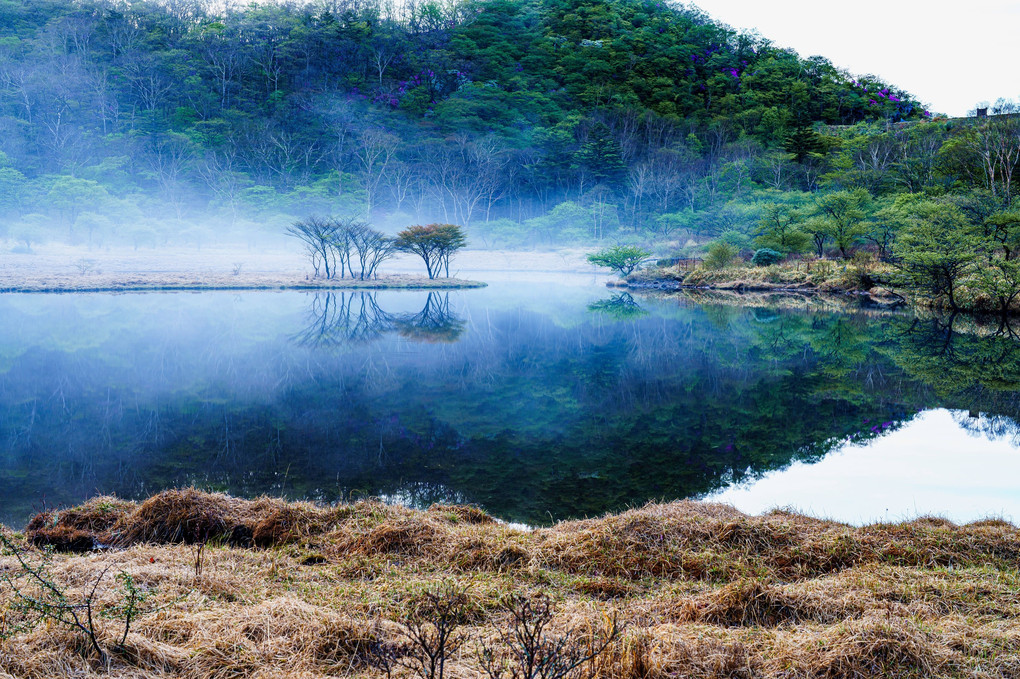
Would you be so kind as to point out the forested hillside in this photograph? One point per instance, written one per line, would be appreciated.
(528, 121)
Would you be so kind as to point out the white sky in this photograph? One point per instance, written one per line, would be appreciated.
(950, 55)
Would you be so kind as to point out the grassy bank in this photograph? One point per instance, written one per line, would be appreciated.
(862, 277)
(824, 276)
(699, 590)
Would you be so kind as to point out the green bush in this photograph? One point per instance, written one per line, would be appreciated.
(720, 255)
(766, 257)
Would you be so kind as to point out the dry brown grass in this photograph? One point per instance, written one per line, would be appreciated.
(704, 590)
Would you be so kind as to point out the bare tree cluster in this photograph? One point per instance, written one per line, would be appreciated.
(342, 246)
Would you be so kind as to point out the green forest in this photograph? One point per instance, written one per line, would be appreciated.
(530, 122)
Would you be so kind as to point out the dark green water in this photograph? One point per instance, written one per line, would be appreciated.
(534, 401)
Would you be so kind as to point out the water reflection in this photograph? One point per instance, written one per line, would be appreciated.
(925, 468)
(512, 398)
(434, 323)
(337, 319)
(620, 306)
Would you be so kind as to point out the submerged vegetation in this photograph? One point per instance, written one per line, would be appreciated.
(269, 588)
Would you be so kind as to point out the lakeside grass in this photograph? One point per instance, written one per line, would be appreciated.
(863, 277)
(806, 276)
(193, 282)
(302, 590)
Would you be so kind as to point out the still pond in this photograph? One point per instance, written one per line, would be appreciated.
(537, 401)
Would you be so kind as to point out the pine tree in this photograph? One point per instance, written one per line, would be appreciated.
(601, 156)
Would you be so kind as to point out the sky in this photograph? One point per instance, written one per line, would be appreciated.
(950, 56)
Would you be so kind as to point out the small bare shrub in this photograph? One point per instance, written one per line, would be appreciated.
(85, 266)
(528, 650)
(36, 598)
(432, 629)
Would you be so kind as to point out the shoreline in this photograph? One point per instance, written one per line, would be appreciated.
(822, 278)
(699, 589)
(58, 268)
(383, 283)
(881, 301)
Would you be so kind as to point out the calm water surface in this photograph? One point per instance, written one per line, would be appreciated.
(536, 400)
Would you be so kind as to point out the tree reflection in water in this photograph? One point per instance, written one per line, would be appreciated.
(338, 319)
(434, 323)
(620, 306)
(341, 318)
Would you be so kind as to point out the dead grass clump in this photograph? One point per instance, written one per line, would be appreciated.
(713, 542)
(78, 529)
(351, 642)
(754, 603)
(186, 515)
(603, 588)
(753, 534)
(481, 550)
(928, 542)
(45, 653)
(170, 627)
(681, 539)
(682, 655)
(871, 647)
(634, 544)
(402, 536)
(461, 514)
(816, 553)
(282, 632)
(635, 657)
(990, 523)
(365, 513)
(152, 657)
(60, 538)
(747, 602)
(281, 523)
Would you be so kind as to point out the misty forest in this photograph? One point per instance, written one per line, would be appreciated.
(530, 122)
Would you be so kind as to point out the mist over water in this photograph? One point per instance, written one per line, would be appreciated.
(536, 403)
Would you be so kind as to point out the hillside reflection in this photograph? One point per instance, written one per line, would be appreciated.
(535, 415)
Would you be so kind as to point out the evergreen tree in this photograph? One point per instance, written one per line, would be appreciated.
(601, 156)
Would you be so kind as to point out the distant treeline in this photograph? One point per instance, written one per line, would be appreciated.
(528, 121)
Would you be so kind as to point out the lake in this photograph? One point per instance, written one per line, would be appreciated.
(537, 400)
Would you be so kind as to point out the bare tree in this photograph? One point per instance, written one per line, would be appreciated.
(225, 59)
(374, 149)
(997, 144)
(168, 156)
(345, 318)
(371, 247)
(219, 170)
(318, 235)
